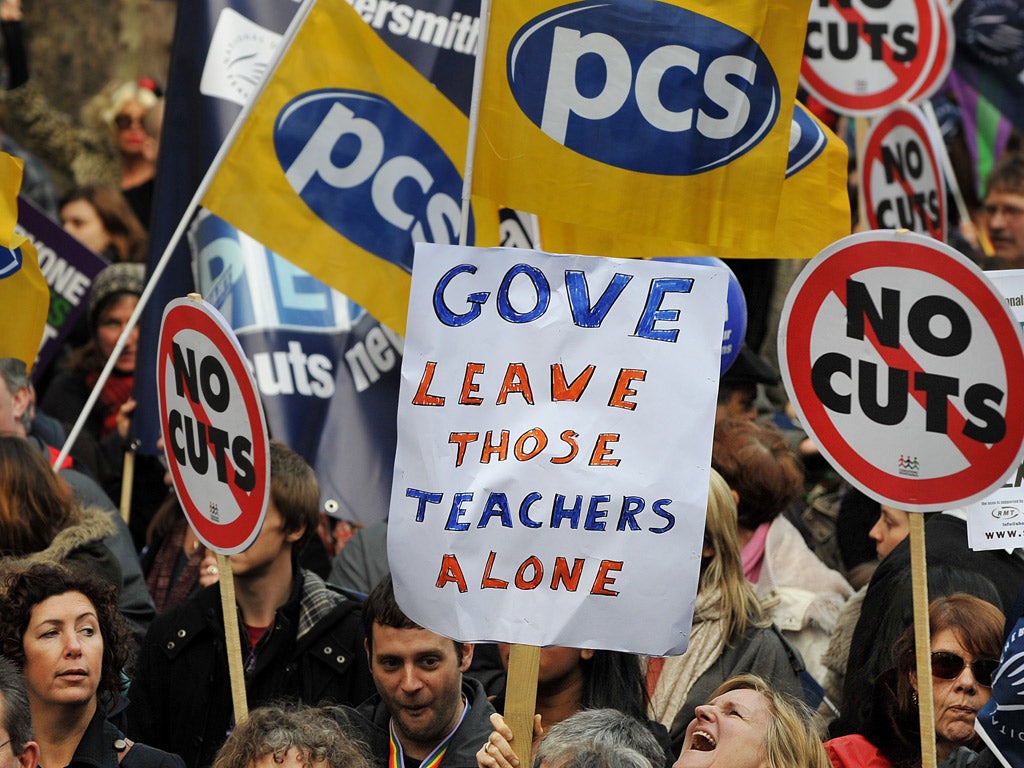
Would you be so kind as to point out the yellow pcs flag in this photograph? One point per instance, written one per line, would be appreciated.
(24, 294)
(814, 210)
(660, 119)
(347, 158)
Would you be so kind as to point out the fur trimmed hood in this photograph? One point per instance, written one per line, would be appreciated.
(85, 531)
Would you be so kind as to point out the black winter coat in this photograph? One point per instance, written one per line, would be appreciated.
(180, 699)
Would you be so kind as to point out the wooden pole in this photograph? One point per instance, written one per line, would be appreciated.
(860, 137)
(127, 481)
(923, 641)
(231, 638)
(521, 698)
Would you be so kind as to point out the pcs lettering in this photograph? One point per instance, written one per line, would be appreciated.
(697, 92)
(193, 436)
(382, 188)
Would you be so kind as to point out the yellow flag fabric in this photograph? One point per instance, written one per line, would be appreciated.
(348, 157)
(24, 294)
(815, 207)
(658, 119)
(814, 210)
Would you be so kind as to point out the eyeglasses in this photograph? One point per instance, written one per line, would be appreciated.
(1010, 212)
(948, 666)
(124, 122)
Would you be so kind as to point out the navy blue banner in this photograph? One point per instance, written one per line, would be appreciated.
(328, 372)
(990, 53)
(1001, 721)
(220, 50)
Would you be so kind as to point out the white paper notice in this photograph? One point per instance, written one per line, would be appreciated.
(997, 522)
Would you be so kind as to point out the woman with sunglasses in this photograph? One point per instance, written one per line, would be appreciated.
(115, 138)
(966, 640)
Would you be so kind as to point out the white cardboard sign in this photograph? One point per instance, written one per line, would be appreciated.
(904, 365)
(213, 428)
(902, 177)
(862, 56)
(555, 425)
(997, 522)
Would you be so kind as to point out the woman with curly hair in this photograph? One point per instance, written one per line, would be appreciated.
(296, 736)
(61, 626)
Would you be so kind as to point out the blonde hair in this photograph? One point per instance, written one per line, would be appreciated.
(724, 569)
(791, 739)
(102, 108)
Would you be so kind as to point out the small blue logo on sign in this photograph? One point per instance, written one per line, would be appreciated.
(10, 262)
(644, 86)
(369, 172)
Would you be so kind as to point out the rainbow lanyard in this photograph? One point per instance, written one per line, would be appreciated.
(397, 760)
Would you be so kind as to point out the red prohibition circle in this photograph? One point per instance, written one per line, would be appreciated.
(909, 77)
(900, 117)
(823, 280)
(231, 537)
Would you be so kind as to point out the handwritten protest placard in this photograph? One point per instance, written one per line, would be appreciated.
(555, 426)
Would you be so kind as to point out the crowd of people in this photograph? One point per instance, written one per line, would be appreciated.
(113, 648)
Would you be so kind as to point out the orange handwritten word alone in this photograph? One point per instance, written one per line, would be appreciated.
(516, 381)
(530, 574)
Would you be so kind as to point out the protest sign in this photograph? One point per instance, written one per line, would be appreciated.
(997, 521)
(215, 438)
(901, 360)
(861, 57)
(555, 425)
(902, 177)
(69, 268)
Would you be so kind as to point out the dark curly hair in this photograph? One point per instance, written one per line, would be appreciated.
(23, 589)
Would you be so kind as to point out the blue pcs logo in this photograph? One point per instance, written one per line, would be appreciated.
(10, 262)
(806, 141)
(644, 86)
(369, 172)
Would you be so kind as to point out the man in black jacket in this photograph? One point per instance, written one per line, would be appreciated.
(300, 638)
(425, 712)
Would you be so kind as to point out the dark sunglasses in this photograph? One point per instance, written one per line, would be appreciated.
(124, 122)
(948, 666)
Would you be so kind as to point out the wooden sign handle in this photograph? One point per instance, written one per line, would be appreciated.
(923, 640)
(521, 698)
(231, 638)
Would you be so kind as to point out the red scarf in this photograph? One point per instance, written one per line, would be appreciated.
(114, 394)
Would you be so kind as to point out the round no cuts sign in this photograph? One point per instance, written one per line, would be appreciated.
(214, 432)
(904, 364)
(861, 56)
(903, 182)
